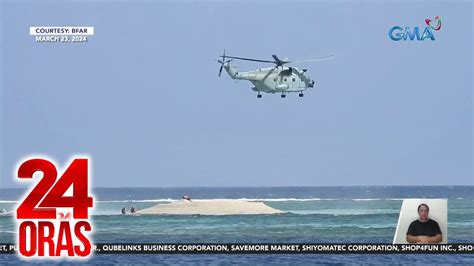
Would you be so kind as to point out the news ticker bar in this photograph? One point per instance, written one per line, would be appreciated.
(235, 248)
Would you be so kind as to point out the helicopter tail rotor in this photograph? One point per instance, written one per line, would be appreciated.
(223, 62)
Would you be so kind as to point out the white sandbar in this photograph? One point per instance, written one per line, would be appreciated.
(211, 207)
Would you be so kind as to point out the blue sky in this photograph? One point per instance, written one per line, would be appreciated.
(143, 99)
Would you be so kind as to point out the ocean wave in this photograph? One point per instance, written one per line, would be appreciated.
(318, 199)
(113, 201)
(378, 199)
(284, 199)
(255, 199)
(245, 199)
(360, 226)
(366, 199)
(8, 232)
(138, 201)
(344, 212)
(461, 224)
(107, 214)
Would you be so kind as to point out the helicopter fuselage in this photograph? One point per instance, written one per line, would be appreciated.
(273, 79)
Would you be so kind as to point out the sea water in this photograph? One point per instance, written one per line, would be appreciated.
(312, 215)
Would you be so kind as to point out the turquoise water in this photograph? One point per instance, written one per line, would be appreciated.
(317, 215)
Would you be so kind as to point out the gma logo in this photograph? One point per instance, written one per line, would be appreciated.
(397, 33)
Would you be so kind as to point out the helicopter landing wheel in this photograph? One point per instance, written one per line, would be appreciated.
(259, 95)
(283, 95)
(301, 94)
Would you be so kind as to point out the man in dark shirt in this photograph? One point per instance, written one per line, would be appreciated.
(424, 230)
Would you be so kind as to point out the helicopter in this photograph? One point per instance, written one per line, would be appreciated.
(278, 79)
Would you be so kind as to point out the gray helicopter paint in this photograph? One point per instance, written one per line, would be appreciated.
(274, 79)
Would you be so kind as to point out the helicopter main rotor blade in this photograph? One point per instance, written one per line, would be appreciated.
(250, 59)
(278, 61)
(220, 70)
(312, 60)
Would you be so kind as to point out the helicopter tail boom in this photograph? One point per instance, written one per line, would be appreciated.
(232, 71)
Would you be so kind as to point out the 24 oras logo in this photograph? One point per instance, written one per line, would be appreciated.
(46, 227)
(397, 33)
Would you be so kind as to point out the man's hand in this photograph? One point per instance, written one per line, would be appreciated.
(423, 240)
(435, 239)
